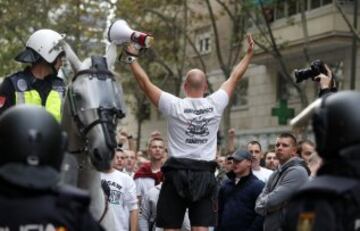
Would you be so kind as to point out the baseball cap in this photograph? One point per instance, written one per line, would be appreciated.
(240, 155)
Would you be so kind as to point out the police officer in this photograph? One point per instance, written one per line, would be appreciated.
(31, 150)
(331, 201)
(37, 84)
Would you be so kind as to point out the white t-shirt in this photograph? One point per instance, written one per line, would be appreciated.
(263, 174)
(193, 124)
(143, 184)
(122, 197)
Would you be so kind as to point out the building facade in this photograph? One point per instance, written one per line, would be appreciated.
(264, 88)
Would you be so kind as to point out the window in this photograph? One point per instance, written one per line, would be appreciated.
(203, 43)
(241, 93)
(315, 4)
(286, 8)
(280, 9)
(293, 7)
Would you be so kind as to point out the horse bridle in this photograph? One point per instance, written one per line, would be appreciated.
(102, 119)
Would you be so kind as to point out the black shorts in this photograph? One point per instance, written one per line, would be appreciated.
(172, 205)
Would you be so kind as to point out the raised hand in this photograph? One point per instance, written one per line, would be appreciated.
(251, 43)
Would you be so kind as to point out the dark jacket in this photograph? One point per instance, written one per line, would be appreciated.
(63, 208)
(327, 202)
(237, 202)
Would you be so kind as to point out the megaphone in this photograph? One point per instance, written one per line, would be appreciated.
(120, 32)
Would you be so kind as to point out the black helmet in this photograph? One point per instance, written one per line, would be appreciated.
(32, 146)
(336, 123)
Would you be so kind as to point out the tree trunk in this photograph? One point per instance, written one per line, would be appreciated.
(138, 138)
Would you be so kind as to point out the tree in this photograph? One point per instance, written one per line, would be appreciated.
(228, 51)
(263, 11)
(82, 21)
(18, 19)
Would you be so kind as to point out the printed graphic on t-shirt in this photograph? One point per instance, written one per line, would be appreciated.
(115, 197)
(115, 194)
(197, 130)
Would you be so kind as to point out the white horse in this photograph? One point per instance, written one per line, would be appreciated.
(92, 107)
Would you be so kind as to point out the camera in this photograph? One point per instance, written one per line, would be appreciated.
(316, 67)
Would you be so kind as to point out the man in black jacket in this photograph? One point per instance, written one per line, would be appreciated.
(237, 196)
(32, 147)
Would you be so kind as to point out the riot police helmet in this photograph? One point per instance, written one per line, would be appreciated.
(32, 146)
(336, 124)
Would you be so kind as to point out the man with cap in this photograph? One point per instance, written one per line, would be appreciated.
(32, 147)
(238, 194)
(331, 201)
(38, 84)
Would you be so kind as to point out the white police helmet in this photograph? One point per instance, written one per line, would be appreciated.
(42, 43)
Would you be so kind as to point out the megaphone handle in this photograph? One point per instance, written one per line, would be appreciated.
(133, 49)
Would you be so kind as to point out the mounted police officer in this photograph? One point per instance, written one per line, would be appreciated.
(32, 146)
(38, 84)
(331, 201)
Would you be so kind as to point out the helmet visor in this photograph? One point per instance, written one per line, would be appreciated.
(27, 56)
(35, 177)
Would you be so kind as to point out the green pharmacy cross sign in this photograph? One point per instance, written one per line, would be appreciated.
(283, 112)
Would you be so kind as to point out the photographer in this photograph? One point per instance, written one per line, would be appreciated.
(327, 82)
(320, 72)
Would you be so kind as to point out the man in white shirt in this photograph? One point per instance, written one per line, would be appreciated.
(149, 174)
(263, 174)
(122, 199)
(130, 162)
(193, 123)
(119, 159)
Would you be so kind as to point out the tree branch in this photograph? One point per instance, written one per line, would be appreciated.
(279, 57)
(226, 8)
(193, 46)
(351, 27)
(305, 31)
(216, 36)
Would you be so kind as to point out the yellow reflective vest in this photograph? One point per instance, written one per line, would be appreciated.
(25, 94)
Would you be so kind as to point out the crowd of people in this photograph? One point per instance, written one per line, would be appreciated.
(179, 182)
(241, 178)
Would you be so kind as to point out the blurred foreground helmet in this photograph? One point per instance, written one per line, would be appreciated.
(32, 146)
(44, 44)
(336, 124)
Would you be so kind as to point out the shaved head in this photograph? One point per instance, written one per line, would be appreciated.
(195, 80)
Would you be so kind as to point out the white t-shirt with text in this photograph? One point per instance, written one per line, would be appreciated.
(123, 197)
(193, 124)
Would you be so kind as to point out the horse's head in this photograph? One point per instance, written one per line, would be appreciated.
(94, 102)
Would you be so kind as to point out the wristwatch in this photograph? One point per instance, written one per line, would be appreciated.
(129, 59)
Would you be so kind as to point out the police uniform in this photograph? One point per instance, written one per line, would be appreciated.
(32, 147)
(61, 208)
(22, 87)
(325, 203)
(331, 200)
